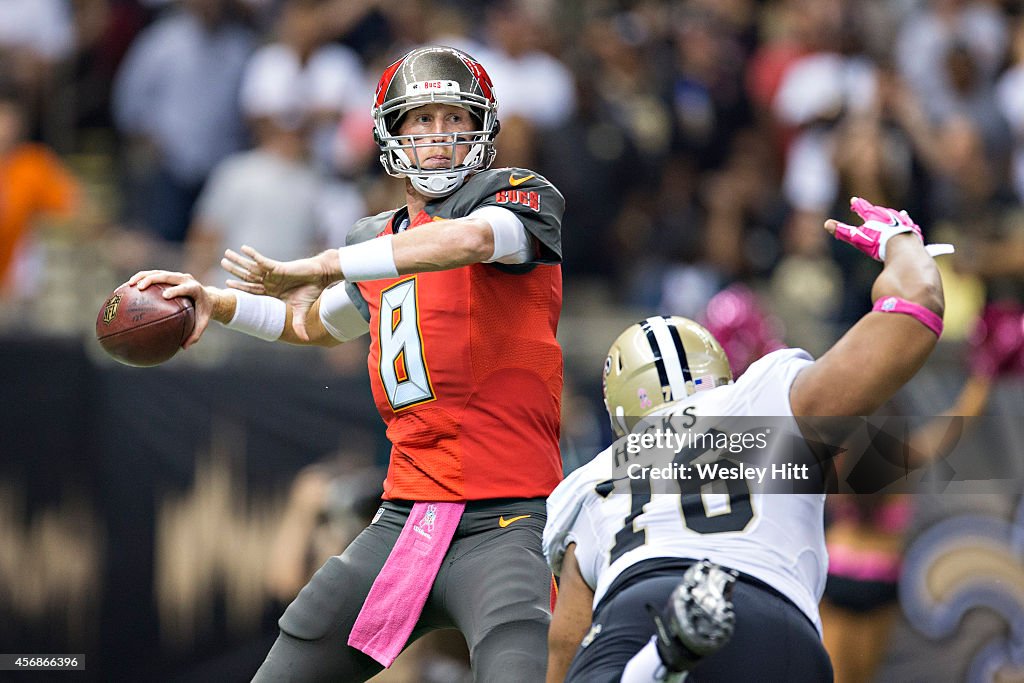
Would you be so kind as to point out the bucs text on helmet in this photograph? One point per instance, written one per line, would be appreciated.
(657, 361)
(424, 76)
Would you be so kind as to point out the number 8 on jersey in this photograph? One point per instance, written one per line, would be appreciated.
(403, 369)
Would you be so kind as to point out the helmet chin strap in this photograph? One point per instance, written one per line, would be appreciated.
(435, 186)
(619, 420)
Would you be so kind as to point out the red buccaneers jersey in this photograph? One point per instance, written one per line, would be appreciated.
(464, 365)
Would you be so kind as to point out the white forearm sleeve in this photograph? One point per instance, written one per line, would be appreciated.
(512, 244)
(262, 317)
(339, 314)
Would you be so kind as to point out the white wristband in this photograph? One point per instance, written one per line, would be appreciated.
(939, 249)
(259, 316)
(370, 260)
(885, 233)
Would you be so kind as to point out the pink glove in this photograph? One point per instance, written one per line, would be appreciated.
(880, 224)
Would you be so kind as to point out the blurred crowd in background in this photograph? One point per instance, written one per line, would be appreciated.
(698, 143)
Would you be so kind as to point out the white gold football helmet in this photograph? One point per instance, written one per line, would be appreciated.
(657, 361)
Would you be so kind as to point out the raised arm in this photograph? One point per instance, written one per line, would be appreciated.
(886, 347)
(435, 246)
(489, 234)
(492, 234)
(443, 245)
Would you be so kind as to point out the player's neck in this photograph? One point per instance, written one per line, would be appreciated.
(414, 201)
(415, 207)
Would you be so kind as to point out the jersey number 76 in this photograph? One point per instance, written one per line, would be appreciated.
(692, 508)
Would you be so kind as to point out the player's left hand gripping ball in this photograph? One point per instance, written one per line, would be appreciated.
(880, 225)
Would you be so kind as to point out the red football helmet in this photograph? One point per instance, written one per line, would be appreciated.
(423, 76)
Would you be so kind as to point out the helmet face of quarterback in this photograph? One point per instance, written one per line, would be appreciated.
(657, 361)
(434, 75)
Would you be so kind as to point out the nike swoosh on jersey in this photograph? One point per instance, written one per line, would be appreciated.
(514, 182)
(502, 522)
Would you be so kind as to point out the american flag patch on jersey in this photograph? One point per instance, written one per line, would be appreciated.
(704, 383)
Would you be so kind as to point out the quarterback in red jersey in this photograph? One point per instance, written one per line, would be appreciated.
(464, 364)
(460, 291)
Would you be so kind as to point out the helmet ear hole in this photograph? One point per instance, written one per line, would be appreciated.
(497, 129)
(392, 122)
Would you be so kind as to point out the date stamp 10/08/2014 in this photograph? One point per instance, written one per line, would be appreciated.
(39, 662)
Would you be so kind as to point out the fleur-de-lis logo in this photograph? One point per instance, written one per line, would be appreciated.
(963, 563)
(110, 310)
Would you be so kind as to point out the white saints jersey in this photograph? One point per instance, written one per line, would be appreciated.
(778, 538)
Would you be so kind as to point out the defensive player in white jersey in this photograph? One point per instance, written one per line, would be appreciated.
(751, 612)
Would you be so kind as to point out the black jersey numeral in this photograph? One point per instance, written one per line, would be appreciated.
(693, 507)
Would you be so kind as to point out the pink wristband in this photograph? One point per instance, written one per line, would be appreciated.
(894, 304)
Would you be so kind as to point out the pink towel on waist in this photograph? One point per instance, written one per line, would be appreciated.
(396, 599)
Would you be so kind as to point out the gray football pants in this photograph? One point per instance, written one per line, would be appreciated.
(493, 585)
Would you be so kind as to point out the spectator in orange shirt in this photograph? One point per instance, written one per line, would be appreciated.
(33, 183)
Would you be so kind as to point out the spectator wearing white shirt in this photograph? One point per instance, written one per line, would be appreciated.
(532, 84)
(271, 197)
(177, 95)
(35, 36)
(1010, 96)
(38, 29)
(814, 94)
(331, 83)
(929, 36)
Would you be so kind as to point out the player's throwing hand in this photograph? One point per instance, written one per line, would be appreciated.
(182, 284)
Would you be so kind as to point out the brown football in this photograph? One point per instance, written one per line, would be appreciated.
(141, 327)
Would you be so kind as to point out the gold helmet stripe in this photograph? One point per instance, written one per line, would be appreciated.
(672, 362)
